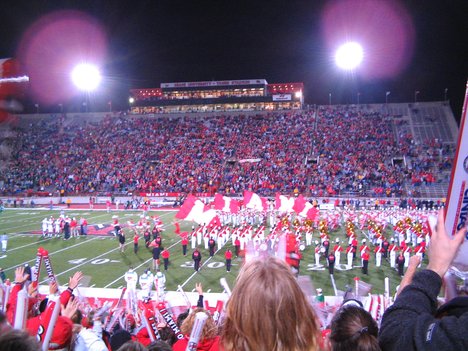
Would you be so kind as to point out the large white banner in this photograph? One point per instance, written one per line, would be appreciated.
(456, 216)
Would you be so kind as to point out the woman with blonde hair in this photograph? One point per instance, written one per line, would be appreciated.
(268, 311)
(209, 339)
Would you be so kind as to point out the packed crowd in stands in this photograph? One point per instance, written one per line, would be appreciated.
(266, 311)
(318, 153)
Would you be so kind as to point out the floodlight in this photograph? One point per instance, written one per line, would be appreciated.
(86, 77)
(349, 55)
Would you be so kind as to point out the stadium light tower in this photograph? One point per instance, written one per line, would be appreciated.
(349, 56)
(86, 77)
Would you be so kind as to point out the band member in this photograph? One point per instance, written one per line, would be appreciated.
(365, 262)
(392, 249)
(350, 255)
(337, 249)
(363, 248)
(407, 250)
(317, 253)
(378, 255)
(211, 246)
(354, 243)
(400, 261)
(385, 246)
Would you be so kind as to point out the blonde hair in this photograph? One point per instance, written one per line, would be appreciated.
(210, 330)
(268, 311)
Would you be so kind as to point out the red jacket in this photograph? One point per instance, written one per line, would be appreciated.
(203, 345)
(165, 254)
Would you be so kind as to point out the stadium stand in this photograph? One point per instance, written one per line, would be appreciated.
(354, 150)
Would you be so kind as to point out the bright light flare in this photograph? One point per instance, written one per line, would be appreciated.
(349, 56)
(52, 46)
(383, 28)
(86, 77)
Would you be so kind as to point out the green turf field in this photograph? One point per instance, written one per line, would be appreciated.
(99, 258)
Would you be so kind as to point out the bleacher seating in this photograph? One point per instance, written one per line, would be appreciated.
(326, 151)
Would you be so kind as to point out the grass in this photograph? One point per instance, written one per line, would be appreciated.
(98, 257)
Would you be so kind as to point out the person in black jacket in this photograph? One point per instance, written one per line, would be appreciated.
(413, 321)
(196, 256)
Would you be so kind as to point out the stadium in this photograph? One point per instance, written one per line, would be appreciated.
(161, 205)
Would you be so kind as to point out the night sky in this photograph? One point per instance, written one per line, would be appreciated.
(150, 42)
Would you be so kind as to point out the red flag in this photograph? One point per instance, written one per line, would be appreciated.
(226, 204)
(254, 201)
(304, 208)
(195, 210)
(284, 203)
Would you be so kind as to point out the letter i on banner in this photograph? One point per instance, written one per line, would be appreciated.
(456, 209)
(169, 320)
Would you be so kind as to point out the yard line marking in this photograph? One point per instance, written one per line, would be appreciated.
(51, 253)
(334, 285)
(35, 243)
(200, 267)
(149, 260)
(85, 262)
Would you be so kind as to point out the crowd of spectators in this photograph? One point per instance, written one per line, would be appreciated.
(324, 152)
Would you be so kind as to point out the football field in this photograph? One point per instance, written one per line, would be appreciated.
(97, 255)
